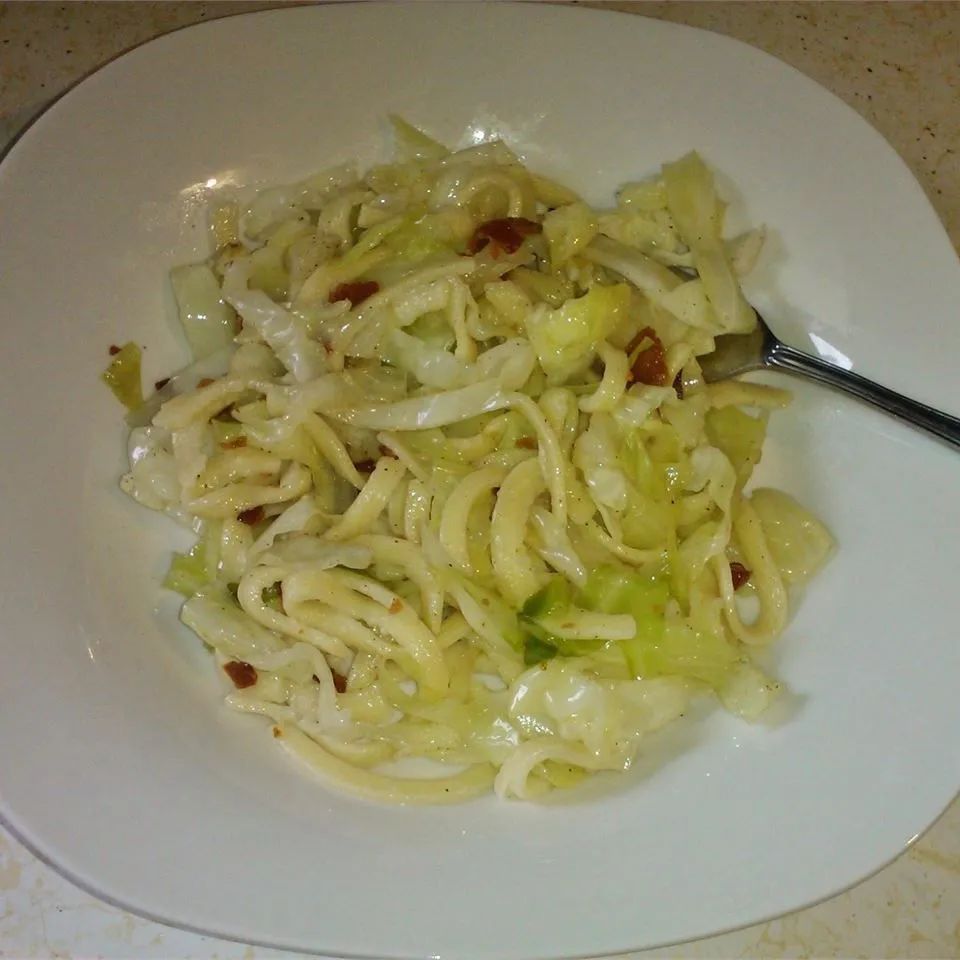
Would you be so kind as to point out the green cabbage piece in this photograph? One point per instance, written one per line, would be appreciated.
(698, 213)
(414, 144)
(608, 590)
(645, 195)
(268, 272)
(545, 287)
(607, 716)
(658, 648)
(565, 339)
(568, 230)
(198, 569)
(555, 596)
(220, 623)
(682, 651)
(537, 650)
(509, 301)
(188, 572)
(739, 436)
(427, 235)
(636, 228)
(207, 321)
(613, 589)
(747, 692)
(799, 542)
(122, 376)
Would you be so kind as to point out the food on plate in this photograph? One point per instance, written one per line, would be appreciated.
(459, 489)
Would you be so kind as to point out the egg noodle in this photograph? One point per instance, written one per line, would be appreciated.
(460, 491)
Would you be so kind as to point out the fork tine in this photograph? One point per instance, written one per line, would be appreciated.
(737, 353)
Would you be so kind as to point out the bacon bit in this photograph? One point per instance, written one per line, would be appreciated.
(650, 365)
(237, 323)
(316, 679)
(678, 384)
(277, 732)
(205, 382)
(356, 292)
(739, 574)
(241, 673)
(527, 443)
(366, 466)
(387, 452)
(504, 236)
(113, 350)
(251, 517)
(396, 605)
(234, 443)
(160, 384)
(328, 348)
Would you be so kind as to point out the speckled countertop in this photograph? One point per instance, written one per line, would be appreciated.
(898, 64)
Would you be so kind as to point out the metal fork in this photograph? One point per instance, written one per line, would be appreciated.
(739, 353)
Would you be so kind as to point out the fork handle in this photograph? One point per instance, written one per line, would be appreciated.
(940, 424)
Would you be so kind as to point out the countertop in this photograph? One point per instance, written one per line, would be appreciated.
(898, 64)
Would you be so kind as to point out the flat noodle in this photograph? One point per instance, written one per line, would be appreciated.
(333, 448)
(250, 596)
(456, 513)
(236, 498)
(765, 578)
(370, 502)
(616, 368)
(472, 782)
(405, 556)
(416, 510)
(513, 567)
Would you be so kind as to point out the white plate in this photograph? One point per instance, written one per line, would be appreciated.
(120, 766)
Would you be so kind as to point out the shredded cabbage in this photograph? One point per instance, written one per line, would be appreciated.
(460, 491)
(693, 202)
(122, 376)
(207, 321)
(565, 339)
